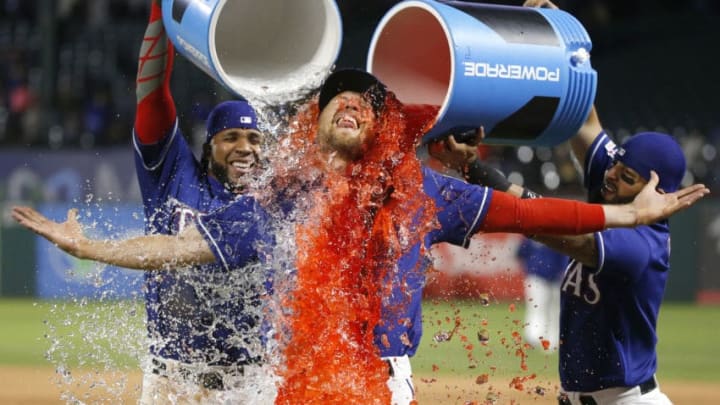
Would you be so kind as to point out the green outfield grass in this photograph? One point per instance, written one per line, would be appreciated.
(77, 333)
(504, 354)
(688, 347)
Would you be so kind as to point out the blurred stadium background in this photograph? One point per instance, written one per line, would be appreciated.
(67, 103)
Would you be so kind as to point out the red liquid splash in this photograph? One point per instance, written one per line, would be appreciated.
(361, 222)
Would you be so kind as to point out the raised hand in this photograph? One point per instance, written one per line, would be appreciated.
(453, 154)
(456, 155)
(67, 235)
(653, 206)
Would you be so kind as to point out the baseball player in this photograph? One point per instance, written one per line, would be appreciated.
(191, 328)
(613, 288)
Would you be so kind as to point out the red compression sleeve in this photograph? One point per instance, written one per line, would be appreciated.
(549, 216)
(155, 113)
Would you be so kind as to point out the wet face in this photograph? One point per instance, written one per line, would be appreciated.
(346, 125)
(235, 155)
(621, 184)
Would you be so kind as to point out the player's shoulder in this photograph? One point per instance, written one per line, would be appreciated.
(441, 180)
(602, 148)
(446, 190)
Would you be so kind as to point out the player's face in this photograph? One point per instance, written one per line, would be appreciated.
(346, 125)
(235, 156)
(621, 184)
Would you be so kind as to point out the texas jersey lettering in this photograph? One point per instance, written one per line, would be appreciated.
(580, 284)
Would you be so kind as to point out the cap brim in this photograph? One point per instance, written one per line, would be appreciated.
(353, 80)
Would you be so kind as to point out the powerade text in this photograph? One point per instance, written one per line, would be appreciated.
(516, 72)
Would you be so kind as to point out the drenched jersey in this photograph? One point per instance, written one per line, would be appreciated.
(541, 261)
(609, 311)
(461, 211)
(206, 313)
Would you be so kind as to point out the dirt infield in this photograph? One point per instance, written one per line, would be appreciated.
(38, 386)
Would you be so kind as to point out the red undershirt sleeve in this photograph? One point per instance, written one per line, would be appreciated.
(549, 216)
(155, 113)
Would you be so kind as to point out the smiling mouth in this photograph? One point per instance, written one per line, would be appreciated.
(242, 166)
(608, 188)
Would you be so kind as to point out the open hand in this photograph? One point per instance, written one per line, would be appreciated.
(456, 155)
(67, 235)
(652, 206)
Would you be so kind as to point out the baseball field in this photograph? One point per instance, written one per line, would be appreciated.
(58, 352)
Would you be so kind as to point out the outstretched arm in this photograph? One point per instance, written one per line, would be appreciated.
(557, 216)
(148, 252)
(649, 205)
(463, 158)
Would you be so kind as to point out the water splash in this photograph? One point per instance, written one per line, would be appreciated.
(347, 242)
(99, 344)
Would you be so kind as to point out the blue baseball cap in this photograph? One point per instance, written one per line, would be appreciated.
(656, 151)
(231, 114)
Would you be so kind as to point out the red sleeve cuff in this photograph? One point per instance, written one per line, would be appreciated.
(548, 216)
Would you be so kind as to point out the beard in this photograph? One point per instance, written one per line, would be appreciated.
(352, 146)
(221, 174)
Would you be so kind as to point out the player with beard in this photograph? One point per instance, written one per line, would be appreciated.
(190, 327)
(610, 293)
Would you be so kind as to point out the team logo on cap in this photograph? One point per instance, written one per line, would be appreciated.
(245, 120)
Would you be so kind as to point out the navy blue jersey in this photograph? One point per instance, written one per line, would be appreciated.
(609, 311)
(190, 316)
(461, 211)
(541, 261)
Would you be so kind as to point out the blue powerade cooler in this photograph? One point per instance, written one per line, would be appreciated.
(524, 74)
